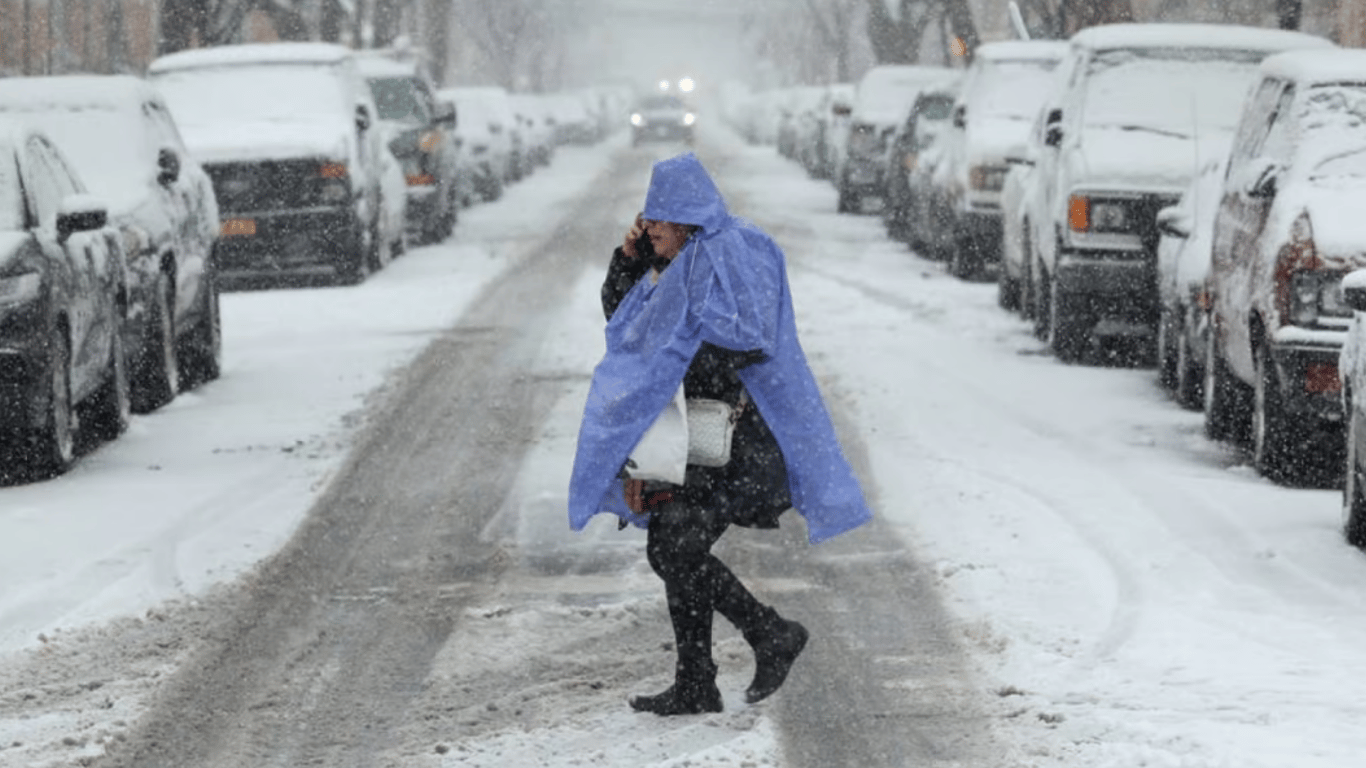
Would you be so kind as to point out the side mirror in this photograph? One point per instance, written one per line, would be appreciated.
(445, 113)
(960, 116)
(80, 213)
(362, 117)
(1171, 223)
(168, 166)
(1354, 290)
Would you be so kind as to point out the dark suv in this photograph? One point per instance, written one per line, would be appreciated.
(286, 133)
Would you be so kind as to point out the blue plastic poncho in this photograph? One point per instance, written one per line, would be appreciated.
(728, 286)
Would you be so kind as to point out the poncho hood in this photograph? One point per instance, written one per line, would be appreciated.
(728, 287)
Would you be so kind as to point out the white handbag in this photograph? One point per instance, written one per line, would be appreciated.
(688, 431)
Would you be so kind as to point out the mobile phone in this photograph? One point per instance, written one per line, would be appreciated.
(645, 249)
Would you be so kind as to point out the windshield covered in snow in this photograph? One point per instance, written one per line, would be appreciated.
(1332, 118)
(11, 196)
(278, 93)
(397, 99)
(85, 134)
(1169, 91)
(1011, 89)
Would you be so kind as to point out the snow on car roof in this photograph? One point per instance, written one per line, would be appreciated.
(103, 91)
(1022, 49)
(376, 65)
(1340, 65)
(1204, 36)
(252, 53)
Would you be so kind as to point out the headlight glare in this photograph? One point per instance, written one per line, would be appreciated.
(637, 119)
(689, 119)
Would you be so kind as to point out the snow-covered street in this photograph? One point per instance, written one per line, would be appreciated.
(1128, 592)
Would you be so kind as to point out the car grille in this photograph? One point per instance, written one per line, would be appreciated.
(266, 185)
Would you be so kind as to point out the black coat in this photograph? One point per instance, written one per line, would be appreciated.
(751, 490)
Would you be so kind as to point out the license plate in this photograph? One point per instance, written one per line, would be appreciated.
(232, 227)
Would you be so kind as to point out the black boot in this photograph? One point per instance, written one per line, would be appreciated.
(773, 657)
(694, 691)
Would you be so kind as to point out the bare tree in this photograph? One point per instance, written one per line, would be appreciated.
(514, 37)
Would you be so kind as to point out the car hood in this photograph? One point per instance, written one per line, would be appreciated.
(1334, 215)
(1139, 160)
(989, 140)
(268, 140)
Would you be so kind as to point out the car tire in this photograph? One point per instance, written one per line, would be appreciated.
(848, 202)
(361, 259)
(1166, 349)
(1353, 492)
(1068, 325)
(201, 351)
(1043, 303)
(156, 378)
(53, 449)
(1027, 289)
(1225, 402)
(1190, 372)
(110, 408)
(966, 262)
(1276, 438)
(1007, 291)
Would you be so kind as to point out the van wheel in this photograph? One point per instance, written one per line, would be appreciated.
(109, 410)
(1225, 400)
(1275, 437)
(1189, 371)
(201, 353)
(53, 448)
(157, 375)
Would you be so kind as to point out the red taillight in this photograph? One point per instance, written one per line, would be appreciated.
(332, 171)
(420, 179)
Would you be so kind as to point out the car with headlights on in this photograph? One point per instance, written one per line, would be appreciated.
(1121, 140)
(661, 117)
(63, 293)
(120, 137)
(1287, 229)
(419, 131)
(287, 134)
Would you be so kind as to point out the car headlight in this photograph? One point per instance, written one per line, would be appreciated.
(988, 178)
(1092, 214)
(689, 119)
(20, 289)
(1315, 294)
(637, 119)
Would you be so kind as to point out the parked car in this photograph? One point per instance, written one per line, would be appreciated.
(62, 297)
(1000, 95)
(662, 117)
(485, 131)
(1183, 266)
(1352, 364)
(120, 138)
(1119, 146)
(1288, 228)
(419, 131)
(835, 119)
(1016, 284)
(907, 192)
(884, 98)
(538, 126)
(287, 134)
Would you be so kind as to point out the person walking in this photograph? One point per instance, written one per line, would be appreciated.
(698, 296)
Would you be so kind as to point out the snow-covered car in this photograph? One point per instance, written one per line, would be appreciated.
(906, 184)
(121, 140)
(1016, 284)
(62, 298)
(661, 117)
(1183, 265)
(1352, 365)
(1287, 229)
(574, 124)
(419, 131)
(1119, 146)
(883, 99)
(1000, 95)
(485, 127)
(538, 127)
(835, 120)
(287, 134)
